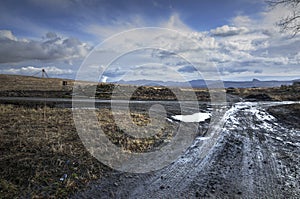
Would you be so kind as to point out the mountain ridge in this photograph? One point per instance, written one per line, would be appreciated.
(200, 83)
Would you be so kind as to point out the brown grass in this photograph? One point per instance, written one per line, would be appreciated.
(283, 93)
(36, 153)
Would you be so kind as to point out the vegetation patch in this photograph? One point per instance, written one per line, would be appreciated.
(42, 155)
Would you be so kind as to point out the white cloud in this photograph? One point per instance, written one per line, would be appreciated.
(52, 47)
(175, 23)
(260, 51)
(266, 22)
(226, 30)
(246, 47)
(153, 71)
(119, 25)
(103, 31)
(7, 34)
(31, 70)
(272, 16)
(241, 21)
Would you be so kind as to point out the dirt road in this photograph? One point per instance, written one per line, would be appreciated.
(255, 156)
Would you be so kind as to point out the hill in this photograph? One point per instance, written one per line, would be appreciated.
(200, 83)
(29, 83)
(27, 86)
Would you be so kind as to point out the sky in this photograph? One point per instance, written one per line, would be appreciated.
(238, 38)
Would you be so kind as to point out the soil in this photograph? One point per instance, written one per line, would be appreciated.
(287, 114)
(258, 97)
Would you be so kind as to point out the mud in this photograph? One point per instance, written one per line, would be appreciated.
(256, 156)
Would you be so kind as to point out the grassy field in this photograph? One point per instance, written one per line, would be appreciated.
(283, 93)
(37, 153)
(27, 83)
(26, 86)
(44, 156)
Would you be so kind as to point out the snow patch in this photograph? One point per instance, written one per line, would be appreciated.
(203, 138)
(196, 117)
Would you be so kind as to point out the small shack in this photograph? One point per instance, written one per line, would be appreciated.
(64, 83)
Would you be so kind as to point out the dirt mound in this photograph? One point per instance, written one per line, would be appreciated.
(287, 114)
(258, 97)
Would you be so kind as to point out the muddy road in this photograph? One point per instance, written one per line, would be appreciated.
(253, 155)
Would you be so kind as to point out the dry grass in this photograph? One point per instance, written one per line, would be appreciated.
(27, 83)
(129, 143)
(27, 86)
(283, 93)
(37, 153)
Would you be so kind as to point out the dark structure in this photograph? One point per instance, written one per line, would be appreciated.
(297, 83)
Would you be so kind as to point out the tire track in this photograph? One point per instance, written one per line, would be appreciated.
(251, 156)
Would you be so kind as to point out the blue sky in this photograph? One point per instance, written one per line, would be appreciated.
(239, 35)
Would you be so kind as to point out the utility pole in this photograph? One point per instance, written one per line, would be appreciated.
(44, 74)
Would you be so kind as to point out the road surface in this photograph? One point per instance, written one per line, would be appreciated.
(254, 156)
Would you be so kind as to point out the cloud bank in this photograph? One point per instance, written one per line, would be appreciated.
(32, 70)
(51, 47)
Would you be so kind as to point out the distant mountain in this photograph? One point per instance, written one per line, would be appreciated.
(212, 83)
(155, 83)
(296, 80)
(256, 83)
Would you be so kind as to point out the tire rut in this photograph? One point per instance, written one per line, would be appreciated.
(251, 156)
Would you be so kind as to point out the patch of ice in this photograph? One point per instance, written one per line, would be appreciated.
(196, 117)
(203, 138)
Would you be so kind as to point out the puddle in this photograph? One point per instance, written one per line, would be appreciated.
(196, 117)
